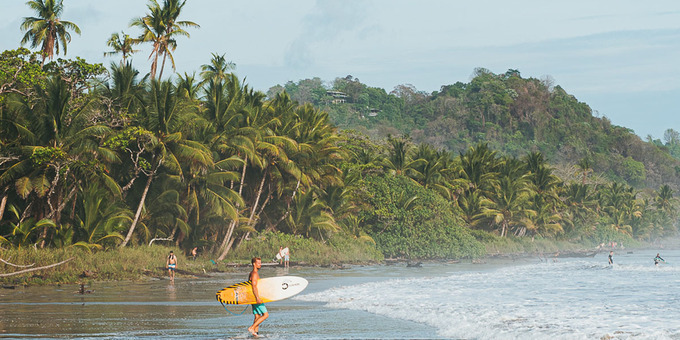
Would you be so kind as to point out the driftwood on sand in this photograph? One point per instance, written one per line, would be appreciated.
(34, 269)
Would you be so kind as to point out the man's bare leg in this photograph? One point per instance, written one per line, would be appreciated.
(256, 323)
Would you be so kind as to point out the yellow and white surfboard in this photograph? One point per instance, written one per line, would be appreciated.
(270, 289)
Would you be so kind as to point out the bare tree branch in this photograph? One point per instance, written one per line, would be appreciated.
(34, 269)
(17, 265)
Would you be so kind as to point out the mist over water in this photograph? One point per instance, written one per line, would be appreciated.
(573, 298)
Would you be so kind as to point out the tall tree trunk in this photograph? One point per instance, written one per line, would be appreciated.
(154, 64)
(160, 75)
(227, 241)
(140, 206)
(292, 197)
(254, 208)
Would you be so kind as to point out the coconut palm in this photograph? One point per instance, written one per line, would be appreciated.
(399, 160)
(478, 166)
(160, 27)
(664, 199)
(121, 43)
(47, 30)
(509, 198)
(580, 204)
(166, 114)
(218, 69)
(62, 153)
(585, 166)
(311, 217)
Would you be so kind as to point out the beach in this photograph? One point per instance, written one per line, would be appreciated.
(529, 298)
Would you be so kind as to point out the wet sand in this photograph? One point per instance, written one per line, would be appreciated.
(187, 308)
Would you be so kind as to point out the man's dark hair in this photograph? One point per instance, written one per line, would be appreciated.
(255, 259)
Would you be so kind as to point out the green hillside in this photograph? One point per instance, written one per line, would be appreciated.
(514, 115)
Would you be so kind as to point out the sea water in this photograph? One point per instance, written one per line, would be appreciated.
(524, 298)
(553, 298)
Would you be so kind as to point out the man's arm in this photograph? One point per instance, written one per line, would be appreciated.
(254, 278)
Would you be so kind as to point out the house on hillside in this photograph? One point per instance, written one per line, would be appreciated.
(338, 97)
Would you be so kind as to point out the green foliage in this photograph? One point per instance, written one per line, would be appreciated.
(513, 115)
(92, 165)
(20, 71)
(409, 221)
(339, 248)
(43, 155)
(135, 263)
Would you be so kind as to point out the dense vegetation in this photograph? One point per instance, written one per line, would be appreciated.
(100, 158)
(514, 115)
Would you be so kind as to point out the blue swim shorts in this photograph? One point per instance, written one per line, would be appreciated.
(172, 267)
(259, 308)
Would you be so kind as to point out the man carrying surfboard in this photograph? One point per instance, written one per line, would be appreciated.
(259, 309)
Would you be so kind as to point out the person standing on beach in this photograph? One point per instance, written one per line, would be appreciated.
(611, 257)
(171, 264)
(259, 309)
(658, 259)
(286, 257)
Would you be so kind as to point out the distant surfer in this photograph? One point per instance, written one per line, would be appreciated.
(171, 263)
(658, 259)
(611, 258)
(259, 309)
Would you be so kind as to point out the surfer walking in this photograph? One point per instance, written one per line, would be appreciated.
(171, 264)
(658, 259)
(611, 258)
(259, 309)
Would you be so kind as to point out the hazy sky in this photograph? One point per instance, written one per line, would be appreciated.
(621, 57)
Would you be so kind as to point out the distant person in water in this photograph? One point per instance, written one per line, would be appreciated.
(171, 264)
(259, 310)
(658, 259)
(611, 258)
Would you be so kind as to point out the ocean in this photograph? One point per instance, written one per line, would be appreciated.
(525, 298)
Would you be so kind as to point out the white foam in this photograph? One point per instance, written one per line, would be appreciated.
(570, 299)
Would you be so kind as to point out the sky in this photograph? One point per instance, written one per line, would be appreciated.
(621, 57)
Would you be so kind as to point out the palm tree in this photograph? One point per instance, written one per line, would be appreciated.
(664, 199)
(121, 43)
(509, 198)
(478, 166)
(621, 207)
(165, 115)
(47, 30)
(580, 204)
(125, 93)
(585, 166)
(311, 217)
(472, 205)
(399, 160)
(161, 27)
(61, 154)
(217, 69)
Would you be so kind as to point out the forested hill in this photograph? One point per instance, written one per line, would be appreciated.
(513, 114)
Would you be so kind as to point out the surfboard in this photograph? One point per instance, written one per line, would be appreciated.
(282, 253)
(270, 289)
